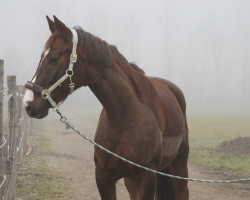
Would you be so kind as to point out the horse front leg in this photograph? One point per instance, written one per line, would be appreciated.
(106, 185)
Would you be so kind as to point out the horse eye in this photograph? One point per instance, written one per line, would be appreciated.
(53, 60)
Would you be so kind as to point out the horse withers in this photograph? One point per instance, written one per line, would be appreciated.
(143, 118)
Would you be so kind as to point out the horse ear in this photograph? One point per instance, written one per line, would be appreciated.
(62, 28)
(51, 25)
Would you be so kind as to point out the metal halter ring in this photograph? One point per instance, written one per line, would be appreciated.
(70, 72)
(55, 109)
(63, 119)
(45, 94)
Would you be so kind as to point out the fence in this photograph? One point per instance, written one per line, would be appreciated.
(14, 143)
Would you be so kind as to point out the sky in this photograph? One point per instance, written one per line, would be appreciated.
(203, 46)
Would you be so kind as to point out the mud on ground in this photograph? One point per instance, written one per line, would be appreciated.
(237, 147)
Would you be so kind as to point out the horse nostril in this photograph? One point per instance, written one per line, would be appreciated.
(27, 105)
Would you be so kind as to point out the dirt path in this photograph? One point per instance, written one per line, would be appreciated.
(73, 158)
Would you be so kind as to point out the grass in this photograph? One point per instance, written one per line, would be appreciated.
(36, 180)
(210, 130)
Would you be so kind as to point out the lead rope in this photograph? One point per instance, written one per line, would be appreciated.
(68, 126)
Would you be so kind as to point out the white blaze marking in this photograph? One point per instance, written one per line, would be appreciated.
(45, 54)
(28, 96)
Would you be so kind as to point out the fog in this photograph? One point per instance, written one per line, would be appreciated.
(202, 46)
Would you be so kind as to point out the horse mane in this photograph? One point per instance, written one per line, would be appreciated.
(95, 49)
(131, 73)
(138, 69)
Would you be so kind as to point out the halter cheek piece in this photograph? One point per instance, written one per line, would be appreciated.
(45, 93)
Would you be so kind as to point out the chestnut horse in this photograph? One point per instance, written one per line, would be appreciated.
(143, 118)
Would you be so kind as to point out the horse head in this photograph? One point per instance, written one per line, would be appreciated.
(58, 72)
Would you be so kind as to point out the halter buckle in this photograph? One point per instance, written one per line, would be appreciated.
(73, 57)
(45, 94)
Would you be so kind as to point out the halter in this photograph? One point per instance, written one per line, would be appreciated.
(45, 93)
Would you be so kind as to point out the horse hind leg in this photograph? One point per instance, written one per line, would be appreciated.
(131, 187)
(164, 189)
(179, 168)
(170, 188)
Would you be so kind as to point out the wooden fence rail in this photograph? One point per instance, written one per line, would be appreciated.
(14, 143)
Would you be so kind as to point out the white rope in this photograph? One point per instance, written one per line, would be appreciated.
(20, 143)
(9, 96)
(4, 142)
(4, 179)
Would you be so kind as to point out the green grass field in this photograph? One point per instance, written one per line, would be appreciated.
(210, 130)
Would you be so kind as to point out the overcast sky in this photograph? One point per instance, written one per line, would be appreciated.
(201, 45)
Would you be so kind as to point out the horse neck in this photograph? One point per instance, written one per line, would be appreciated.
(114, 93)
(105, 77)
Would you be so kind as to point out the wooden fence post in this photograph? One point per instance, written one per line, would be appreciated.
(22, 121)
(3, 141)
(13, 160)
(29, 132)
(17, 142)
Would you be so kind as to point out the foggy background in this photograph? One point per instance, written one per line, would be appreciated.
(202, 46)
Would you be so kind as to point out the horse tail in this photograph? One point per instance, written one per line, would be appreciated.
(164, 189)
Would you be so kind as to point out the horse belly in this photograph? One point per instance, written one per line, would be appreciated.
(171, 144)
(170, 149)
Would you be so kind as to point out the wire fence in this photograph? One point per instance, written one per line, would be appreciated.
(4, 90)
(14, 138)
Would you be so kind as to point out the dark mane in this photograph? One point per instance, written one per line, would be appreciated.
(96, 50)
(100, 52)
(138, 69)
(131, 73)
